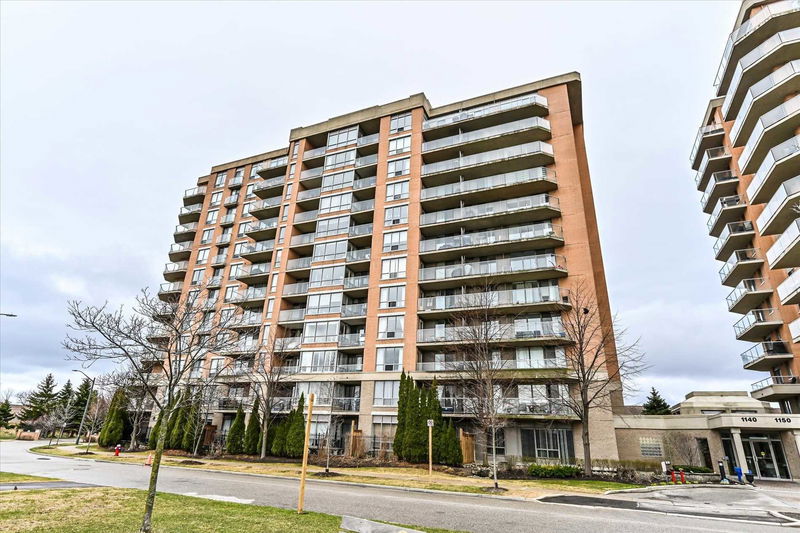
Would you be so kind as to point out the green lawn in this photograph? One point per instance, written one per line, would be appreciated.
(8, 477)
(120, 510)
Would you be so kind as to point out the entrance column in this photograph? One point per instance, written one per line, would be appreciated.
(796, 433)
(738, 448)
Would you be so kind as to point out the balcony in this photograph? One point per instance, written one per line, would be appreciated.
(735, 236)
(231, 201)
(772, 128)
(292, 315)
(776, 388)
(361, 234)
(779, 165)
(491, 138)
(362, 206)
(366, 140)
(303, 239)
(300, 263)
(766, 355)
(349, 405)
(294, 289)
(354, 311)
(785, 251)
(757, 324)
(263, 229)
(741, 265)
(504, 160)
(507, 269)
(214, 282)
(314, 153)
(250, 297)
(227, 220)
(722, 183)
(356, 282)
(794, 330)
(747, 295)
(306, 216)
(511, 407)
(274, 168)
(729, 209)
(311, 173)
(176, 271)
(351, 340)
(366, 160)
(185, 232)
(170, 291)
(543, 333)
(709, 136)
(194, 195)
(308, 194)
(714, 160)
(269, 188)
(254, 274)
(505, 240)
(789, 289)
(495, 112)
(180, 251)
(769, 19)
(524, 182)
(763, 96)
(235, 182)
(504, 212)
(357, 256)
(539, 299)
(189, 213)
(266, 207)
(233, 403)
(219, 259)
(780, 210)
(247, 321)
(557, 362)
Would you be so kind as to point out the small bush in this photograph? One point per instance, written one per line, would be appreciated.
(553, 471)
(695, 469)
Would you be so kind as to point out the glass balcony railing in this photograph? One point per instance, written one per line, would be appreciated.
(176, 286)
(485, 110)
(504, 265)
(303, 238)
(268, 184)
(486, 133)
(746, 286)
(180, 266)
(489, 182)
(315, 152)
(502, 332)
(311, 173)
(356, 282)
(251, 294)
(291, 315)
(786, 190)
(766, 121)
(787, 239)
(278, 162)
(759, 88)
(266, 204)
(352, 310)
(366, 160)
(190, 209)
(362, 229)
(305, 216)
(225, 238)
(774, 380)
(227, 220)
(510, 406)
(794, 330)
(753, 318)
(515, 233)
(351, 340)
(527, 296)
(362, 254)
(368, 139)
(179, 247)
(488, 157)
(723, 203)
(492, 208)
(739, 256)
(364, 183)
(711, 153)
(364, 205)
(219, 259)
(754, 56)
(263, 225)
(786, 149)
(260, 246)
(790, 285)
(214, 281)
(308, 194)
(256, 269)
(765, 349)
(295, 288)
(709, 129)
(194, 191)
(732, 229)
(717, 177)
(298, 263)
(558, 361)
(186, 228)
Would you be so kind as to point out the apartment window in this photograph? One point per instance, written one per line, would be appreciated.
(318, 361)
(235, 271)
(394, 296)
(651, 447)
(324, 331)
(211, 216)
(393, 268)
(273, 286)
(400, 123)
(238, 248)
(206, 237)
(216, 273)
(239, 173)
(226, 232)
(230, 292)
(245, 209)
(383, 430)
(327, 276)
(332, 226)
(342, 137)
(340, 159)
(208, 318)
(340, 180)
(233, 198)
(243, 227)
(281, 234)
(396, 215)
(400, 145)
(336, 202)
(197, 276)
(270, 305)
(255, 168)
(389, 359)
(386, 393)
(397, 191)
(220, 181)
(278, 257)
(320, 304)
(288, 194)
(249, 192)
(496, 446)
(191, 296)
(202, 256)
(395, 240)
(216, 199)
(399, 167)
(327, 251)
(295, 148)
(390, 327)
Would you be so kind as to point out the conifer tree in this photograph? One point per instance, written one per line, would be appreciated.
(415, 442)
(66, 396)
(41, 401)
(82, 395)
(114, 424)
(296, 433)
(173, 419)
(175, 437)
(402, 408)
(6, 416)
(252, 436)
(278, 447)
(190, 426)
(235, 442)
(655, 404)
(434, 412)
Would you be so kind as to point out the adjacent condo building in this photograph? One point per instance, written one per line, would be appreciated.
(747, 161)
(358, 241)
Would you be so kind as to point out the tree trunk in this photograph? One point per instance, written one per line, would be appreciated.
(494, 457)
(265, 430)
(137, 419)
(587, 453)
(147, 520)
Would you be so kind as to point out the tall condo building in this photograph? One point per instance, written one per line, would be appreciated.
(747, 158)
(359, 240)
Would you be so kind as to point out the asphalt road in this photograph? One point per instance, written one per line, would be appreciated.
(452, 511)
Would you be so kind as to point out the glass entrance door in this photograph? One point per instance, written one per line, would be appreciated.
(765, 457)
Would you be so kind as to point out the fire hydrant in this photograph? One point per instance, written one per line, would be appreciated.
(117, 449)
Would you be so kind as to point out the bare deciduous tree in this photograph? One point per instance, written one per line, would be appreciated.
(682, 448)
(95, 415)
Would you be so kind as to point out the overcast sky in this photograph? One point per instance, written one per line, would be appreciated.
(111, 110)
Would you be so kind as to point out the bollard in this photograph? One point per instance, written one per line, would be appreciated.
(149, 460)
(672, 475)
(683, 477)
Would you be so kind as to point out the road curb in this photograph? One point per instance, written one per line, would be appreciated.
(655, 488)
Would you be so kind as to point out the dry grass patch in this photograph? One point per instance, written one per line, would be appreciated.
(8, 477)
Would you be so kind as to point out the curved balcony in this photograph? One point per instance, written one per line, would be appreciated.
(734, 236)
(504, 240)
(190, 213)
(741, 265)
(262, 229)
(776, 388)
(789, 289)
(538, 299)
(269, 188)
(780, 210)
(258, 251)
(180, 251)
(507, 269)
(545, 333)
(499, 111)
(773, 52)
(185, 232)
(176, 271)
(771, 129)
(708, 136)
(785, 251)
(194, 195)
(757, 324)
(714, 160)
(729, 209)
(254, 274)
(780, 164)
(766, 355)
(267, 207)
(722, 183)
(170, 291)
(747, 295)
(491, 138)
(503, 160)
(504, 212)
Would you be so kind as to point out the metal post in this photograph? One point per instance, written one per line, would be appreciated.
(85, 409)
(430, 450)
(305, 456)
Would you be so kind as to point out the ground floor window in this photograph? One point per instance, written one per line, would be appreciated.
(499, 442)
(548, 444)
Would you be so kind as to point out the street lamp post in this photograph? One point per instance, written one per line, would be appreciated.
(85, 407)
